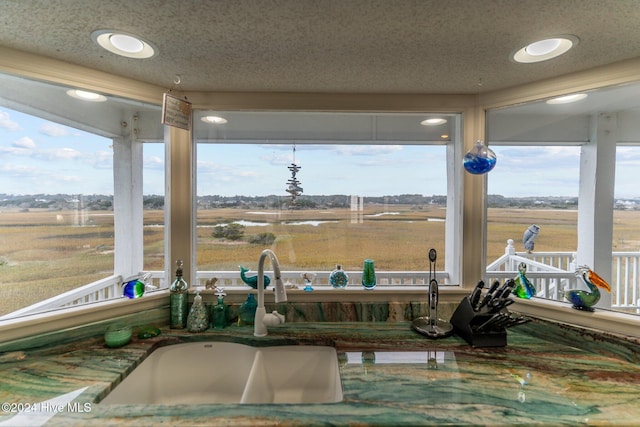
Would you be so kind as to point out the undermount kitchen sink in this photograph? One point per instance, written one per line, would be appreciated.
(219, 372)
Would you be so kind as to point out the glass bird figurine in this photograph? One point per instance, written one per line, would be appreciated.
(585, 300)
(524, 288)
(252, 280)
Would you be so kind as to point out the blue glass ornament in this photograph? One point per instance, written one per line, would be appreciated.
(480, 159)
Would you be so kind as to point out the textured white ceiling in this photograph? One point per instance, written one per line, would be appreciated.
(333, 46)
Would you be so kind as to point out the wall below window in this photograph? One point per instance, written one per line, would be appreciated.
(158, 315)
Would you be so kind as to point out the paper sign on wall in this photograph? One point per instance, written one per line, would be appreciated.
(176, 112)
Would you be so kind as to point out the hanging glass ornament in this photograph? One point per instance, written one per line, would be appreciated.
(480, 159)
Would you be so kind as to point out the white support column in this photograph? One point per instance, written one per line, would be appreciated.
(453, 223)
(596, 198)
(127, 204)
(180, 207)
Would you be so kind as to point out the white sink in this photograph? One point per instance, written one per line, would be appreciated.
(218, 372)
(294, 374)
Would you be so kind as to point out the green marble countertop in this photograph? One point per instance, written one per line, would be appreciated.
(413, 381)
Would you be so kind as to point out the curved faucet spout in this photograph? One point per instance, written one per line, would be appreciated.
(263, 319)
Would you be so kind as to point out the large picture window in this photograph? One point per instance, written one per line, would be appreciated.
(373, 187)
(569, 168)
(358, 202)
(71, 196)
(56, 209)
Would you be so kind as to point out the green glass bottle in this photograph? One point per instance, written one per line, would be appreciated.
(219, 311)
(178, 302)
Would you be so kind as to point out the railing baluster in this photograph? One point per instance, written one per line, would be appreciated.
(634, 282)
(626, 280)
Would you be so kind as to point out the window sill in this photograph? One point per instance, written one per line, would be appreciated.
(85, 314)
(601, 320)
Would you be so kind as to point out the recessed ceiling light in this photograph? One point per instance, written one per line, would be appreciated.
(214, 120)
(86, 96)
(124, 44)
(543, 47)
(567, 98)
(433, 122)
(543, 50)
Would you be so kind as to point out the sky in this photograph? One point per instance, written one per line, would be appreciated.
(41, 157)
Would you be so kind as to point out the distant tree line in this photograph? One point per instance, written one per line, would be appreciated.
(334, 201)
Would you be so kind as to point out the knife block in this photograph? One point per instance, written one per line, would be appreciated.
(465, 321)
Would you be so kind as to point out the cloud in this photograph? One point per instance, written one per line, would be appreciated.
(7, 123)
(102, 159)
(153, 162)
(24, 142)
(367, 150)
(14, 170)
(218, 171)
(62, 154)
(52, 129)
(279, 159)
(71, 178)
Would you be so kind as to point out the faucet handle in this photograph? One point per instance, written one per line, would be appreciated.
(273, 319)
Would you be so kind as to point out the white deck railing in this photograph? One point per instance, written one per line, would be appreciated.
(626, 280)
(111, 287)
(550, 272)
(100, 290)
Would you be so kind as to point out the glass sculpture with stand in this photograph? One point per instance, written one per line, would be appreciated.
(431, 326)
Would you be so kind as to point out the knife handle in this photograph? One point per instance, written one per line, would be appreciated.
(475, 295)
(489, 294)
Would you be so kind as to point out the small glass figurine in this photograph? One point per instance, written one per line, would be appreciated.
(248, 311)
(338, 278)
(136, 286)
(368, 274)
(252, 280)
(198, 319)
(308, 279)
(133, 288)
(585, 300)
(480, 159)
(524, 288)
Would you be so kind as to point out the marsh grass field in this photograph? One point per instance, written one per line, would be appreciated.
(45, 253)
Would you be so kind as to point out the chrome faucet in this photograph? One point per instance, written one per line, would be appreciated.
(262, 319)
